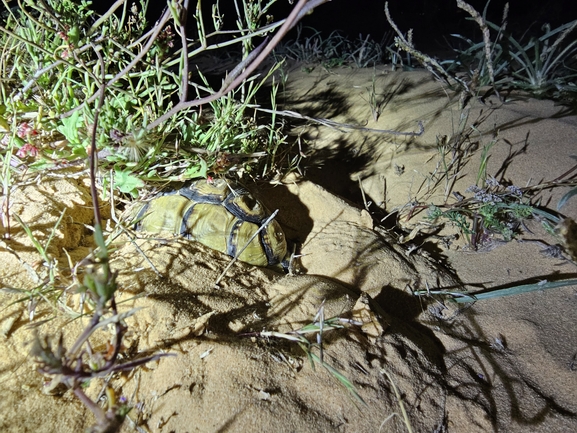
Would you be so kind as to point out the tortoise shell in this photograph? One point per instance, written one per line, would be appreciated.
(219, 214)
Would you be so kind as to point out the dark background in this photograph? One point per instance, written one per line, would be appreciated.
(432, 21)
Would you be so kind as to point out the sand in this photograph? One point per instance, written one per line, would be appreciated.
(503, 365)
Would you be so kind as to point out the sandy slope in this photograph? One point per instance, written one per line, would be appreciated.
(499, 365)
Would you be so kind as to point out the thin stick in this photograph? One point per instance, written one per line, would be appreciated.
(183, 19)
(364, 195)
(337, 125)
(486, 36)
(429, 63)
(320, 319)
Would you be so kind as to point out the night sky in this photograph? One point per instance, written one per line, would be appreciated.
(431, 20)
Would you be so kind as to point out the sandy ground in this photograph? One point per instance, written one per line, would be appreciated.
(503, 365)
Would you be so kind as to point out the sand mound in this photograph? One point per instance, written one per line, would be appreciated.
(506, 365)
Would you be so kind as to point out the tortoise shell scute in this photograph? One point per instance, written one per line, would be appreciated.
(220, 215)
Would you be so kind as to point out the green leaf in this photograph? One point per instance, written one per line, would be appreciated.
(197, 170)
(99, 237)
(3, 122)
(126, 182)
(74, 35)
(69, 128)
(497, 293)
(566, 197)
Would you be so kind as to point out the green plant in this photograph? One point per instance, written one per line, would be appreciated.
(77, 365)
(64, 68)
(45, 275)
(472, 61)
(6, 170)
(543, 66)
(333, 51)
(492, 210)
(485, 155)
(461, 297)
(404, 416)
(149, 128)
(375, 101)
(395, 54)
(308, 50)
(365, 52)
(454, 154)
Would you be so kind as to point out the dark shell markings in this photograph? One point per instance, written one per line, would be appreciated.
(219, 214)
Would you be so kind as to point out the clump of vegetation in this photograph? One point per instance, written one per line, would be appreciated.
(334, 50)
(117, 94)
(487, 212)
(544, 66)
(74, 367)
(492, 210)
(57, 54)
